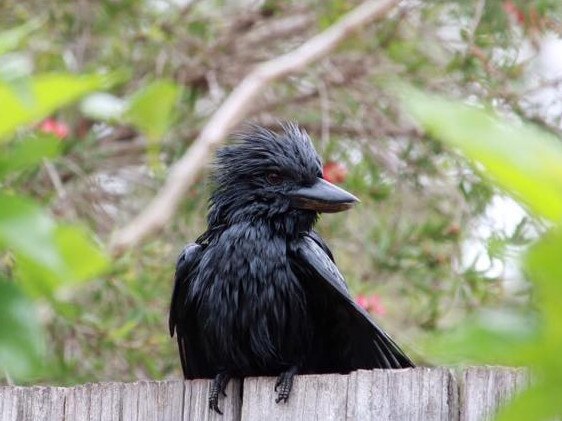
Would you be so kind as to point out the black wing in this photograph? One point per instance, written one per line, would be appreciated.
(320, 241)
(346, 336)
(182, 320)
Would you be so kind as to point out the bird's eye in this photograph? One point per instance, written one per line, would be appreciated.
(274, 178)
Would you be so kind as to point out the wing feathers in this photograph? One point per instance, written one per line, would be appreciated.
(371, 346)
(181, 320)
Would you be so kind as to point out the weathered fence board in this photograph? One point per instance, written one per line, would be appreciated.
(412, 394)
(312, 398)
(421, 394)
(482, 389)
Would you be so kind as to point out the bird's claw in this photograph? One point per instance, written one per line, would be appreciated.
(278, 382)
(284, 384)
(214, 404)
(218, 387)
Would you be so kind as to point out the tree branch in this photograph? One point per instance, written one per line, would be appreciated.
(183, 174)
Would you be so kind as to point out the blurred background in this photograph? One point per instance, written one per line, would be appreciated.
(431, 243)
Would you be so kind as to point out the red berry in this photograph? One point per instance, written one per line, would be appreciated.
(334, 172)
(55, 127)
(510, 8)
(376, 306)
(371, 303)
(361, 300)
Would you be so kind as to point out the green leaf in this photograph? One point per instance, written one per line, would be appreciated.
(26, 230)
(21, 340)
(48, 256)
(545, 269)
(520, 158)
(151, 109)
(48, 92)
(28, 153)
(82, 260)
(542, 400)
(12, 38)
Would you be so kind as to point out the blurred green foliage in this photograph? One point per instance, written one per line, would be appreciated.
(527, 163)
(22, 345)
(151, 110)
(46, 255)
(531, 171)
(38, 96)
(42, 257)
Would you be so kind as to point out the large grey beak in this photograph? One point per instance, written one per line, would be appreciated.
(322, 196)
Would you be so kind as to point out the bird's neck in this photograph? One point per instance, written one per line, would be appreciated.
(293, 223)
(288, 224)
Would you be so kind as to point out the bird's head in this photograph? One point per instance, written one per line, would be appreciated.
(274, 177)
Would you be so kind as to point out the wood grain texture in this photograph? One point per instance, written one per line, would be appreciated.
(484, 389)
(77, 404)
(43, 403)
(312, 398)
(410, 394)
(472, 394)
(10, 403)
(107, 402)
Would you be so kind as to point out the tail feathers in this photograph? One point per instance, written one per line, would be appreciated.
(375, 348)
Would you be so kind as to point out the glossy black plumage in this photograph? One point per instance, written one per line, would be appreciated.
(259, 293)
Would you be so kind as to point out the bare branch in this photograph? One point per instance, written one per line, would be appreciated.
(183, 174)
(55, 178)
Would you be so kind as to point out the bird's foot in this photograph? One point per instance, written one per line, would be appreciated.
(284, 384)
(218, 387)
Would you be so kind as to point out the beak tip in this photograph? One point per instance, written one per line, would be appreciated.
(324, 196)
(353, 200)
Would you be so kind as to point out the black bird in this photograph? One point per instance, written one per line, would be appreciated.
(259, 293)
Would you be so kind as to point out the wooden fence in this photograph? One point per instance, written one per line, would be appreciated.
(411, 394)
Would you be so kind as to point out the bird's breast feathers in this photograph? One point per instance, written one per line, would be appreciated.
(247, 260)
(245, 284)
